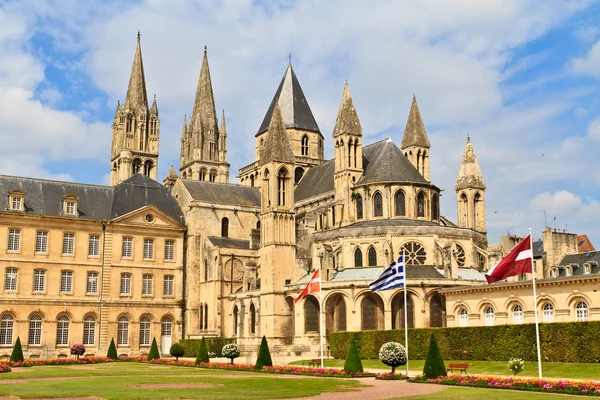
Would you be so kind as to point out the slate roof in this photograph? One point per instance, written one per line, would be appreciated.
(229, 243)
(383, 161)
(96, 202)
(294, 107)
(538, 249)
(471, 274)
(223, 193)
(577, 260)
(371, 273)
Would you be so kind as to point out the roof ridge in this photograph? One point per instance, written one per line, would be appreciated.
(219, 183)
(55, 181)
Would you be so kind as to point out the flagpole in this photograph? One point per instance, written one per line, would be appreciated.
(405, 316)
(537, 328)
(321, 313)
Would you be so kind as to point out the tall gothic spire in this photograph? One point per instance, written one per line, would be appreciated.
(154, 108)
(223, 128)
(184, 129)
(136, 92)
(347, 121)
(277, 144)
(415, 133)
(204, 116)
(469, 175)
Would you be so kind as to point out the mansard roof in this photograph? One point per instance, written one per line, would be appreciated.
(578, 259)
(295, 110)
(223, 193)
(96, 202)
(383, 161)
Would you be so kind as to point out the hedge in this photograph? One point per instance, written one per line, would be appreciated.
(560, 342)
(213, 345)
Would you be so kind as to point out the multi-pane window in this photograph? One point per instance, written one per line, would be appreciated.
(489, 316)
(39, 280)
(94, 248)
(148, 249)
(41, 242)
(123, 331)
(70, 208)
(92, 282)
(6, 330)
(89, 330)
(165, 326)
(127, 248)
(147, 284)
(16, 203)
(517, 314)
(35, 330)
(62, 331)
(168, 285)
(581, 311)
(145, 331)
(66, 281)
(463, 317)
(69, 244)
(169, 250)
(125, 283)
(14, 239)
(10, 281)
(548, 313)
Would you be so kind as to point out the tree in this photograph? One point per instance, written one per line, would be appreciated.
(230, 351)
(17, 353)
(112, 350)
(77, 350)
(177, 350)
(353, 363)
(392, 354)
(154, 354)
(202, 355)
(264, 356)
(434, 364)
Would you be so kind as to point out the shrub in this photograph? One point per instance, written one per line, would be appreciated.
(177, 350)
(17, 353)
(78, 350)
(393, 354)
(214, 345)
(112, 350)
(516, 365)
(202, 352)
(230, 351)
(353, 363)
(434, 364)
(153, 354)
(264, 356)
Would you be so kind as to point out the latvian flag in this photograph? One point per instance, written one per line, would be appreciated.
(517, 262)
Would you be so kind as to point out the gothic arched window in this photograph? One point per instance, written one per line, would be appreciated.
(358, 257)
(305, 145)
(377, 205)
(136, 165)
(311, 315)
(281, 183)
(129, 124)
(235, 320)
(476, 213)
(435, 207)
(350, 153)
(400, 201)
(372, 257)
(421, 205)
(252, 319)
(225, 227)
(359, 207)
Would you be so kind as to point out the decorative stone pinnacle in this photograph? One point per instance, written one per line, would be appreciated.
(138, 37)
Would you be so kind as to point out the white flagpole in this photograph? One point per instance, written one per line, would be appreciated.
(537, 328)
(405, 316)
(321, 314)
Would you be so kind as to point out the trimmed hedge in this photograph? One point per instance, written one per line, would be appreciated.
(213, 345)
(560, 342)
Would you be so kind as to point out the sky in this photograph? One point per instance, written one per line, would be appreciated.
(521, 78)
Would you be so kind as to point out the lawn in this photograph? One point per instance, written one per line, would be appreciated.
(488, 394)
(138, 381)
(550, 370)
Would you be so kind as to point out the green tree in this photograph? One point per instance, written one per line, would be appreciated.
(112, 350)
(434, 364)
(202, 355)
(17, 353)
(264, 356)
(154, 354)
(353, 363)
(177, 350)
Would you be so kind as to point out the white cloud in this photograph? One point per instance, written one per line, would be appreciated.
(588, 64)
(562, 202)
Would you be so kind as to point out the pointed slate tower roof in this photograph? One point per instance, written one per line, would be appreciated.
(469, 175)
(415, 133)
(223, 128)
(204, 112)
(154, 108)
(184, 129)
(295, 110)
(277, 144)
(136, 92)
(347, 121)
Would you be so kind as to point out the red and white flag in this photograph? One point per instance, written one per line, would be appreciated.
(313, 286)
(517, 262)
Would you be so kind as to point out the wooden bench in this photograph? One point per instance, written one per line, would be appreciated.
(315, 362)
(459, 367)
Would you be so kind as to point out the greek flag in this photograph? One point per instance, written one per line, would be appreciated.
(391, 278)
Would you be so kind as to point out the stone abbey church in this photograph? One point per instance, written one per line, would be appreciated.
(196, 255)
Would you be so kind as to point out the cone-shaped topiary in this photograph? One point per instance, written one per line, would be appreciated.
(353, 363)
(153, 355)
(264, 356)
(17, 353)
(202, 355)
(434, 364)
(112, 350)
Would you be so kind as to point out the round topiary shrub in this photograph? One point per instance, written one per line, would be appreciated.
(392, 354)
(78, 350)
(230, 351)
(177, 350)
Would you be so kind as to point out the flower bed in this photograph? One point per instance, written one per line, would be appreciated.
(388, 376)
(329, 372)
(4, 368)
(529, 384)
(60, 361)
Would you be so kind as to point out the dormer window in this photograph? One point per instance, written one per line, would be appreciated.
(587, 268)
(70, 205)
(568, 270)
(16, 200)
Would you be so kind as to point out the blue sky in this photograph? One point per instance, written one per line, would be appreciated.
(520, 77)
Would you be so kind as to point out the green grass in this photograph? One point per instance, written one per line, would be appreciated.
(488, 394)
(549, 370)
(112, 381)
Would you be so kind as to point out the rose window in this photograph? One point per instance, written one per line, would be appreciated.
(459, 255)
(415, 253)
